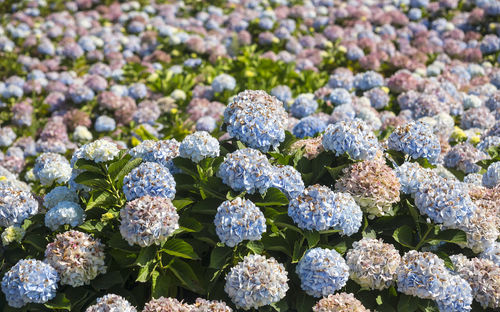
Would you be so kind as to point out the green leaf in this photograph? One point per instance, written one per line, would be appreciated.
(184, 272)
(179, 248)
(255, 246)
(312, 238)
(107, 280)
(207, 206)
(115, 167)
(335, 172)
(60, 302)
(404, 236)
(450, 236)
(126, 169)
(92, 179)
(87, 165)
(283, 220)
(181, 203)
(218, 257)
(100, 199)
(273, 197)
(160, 284)
(240, 145)
(446, 259)
(407, 303)
(146, 255)
(36, 241)
(144, 273)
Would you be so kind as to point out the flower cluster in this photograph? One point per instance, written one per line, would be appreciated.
(64, 212)
(16, 206)
(322, 272)
(198, 146)
(151, 179)
(161, 152)
(256, 119)
(416, 140)
(319, 208)
(148, 220)
(373, 263)
(77, 257)
(340, 302)
(256, 281)
(352, 137)
(239, 220)
(246, 170)
(373, 185)
(29, 281)
(111, 302)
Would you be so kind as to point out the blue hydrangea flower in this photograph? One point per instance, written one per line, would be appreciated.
(161, 152)
(198, 146)
(29, 281)
(445, 201)
(51, 167)
(256, 281)
(65, 212)
(256, 119)
(16, 206)
(282, 93)
(342, 79)
(319, 208)
(368, 80)
(246, 170)
(491, 177)
(457, 296)
(423, 275)
(412, 175)
(138, 91)
(288, 180)
(354, 53)
(322, 272)
(151, 179)
(416, 140)
(104, 124)
(206, 123)
(239, 220)
(308, 127)
(492, 252)
(80, 94)
(304, 105)
(378, 98)
(353, 137)
(148, 220)
(223, 82)
(488, 142)
(340, 96)
(7, 136)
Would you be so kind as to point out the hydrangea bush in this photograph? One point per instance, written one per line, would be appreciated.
(282, 155)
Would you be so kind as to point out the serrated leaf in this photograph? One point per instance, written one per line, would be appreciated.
(115, 167)
(146, 255)
(404, 236)
(449, 236)
(92, 179)
(181, 203)
(179, 248)
(126, 169)
(273, 197)
(87, 165)
(184, 272)
(60, 302)
(102, 199)
(144, 273)
(312, 238)
(107, 280)
(218, 257)
(407, 303)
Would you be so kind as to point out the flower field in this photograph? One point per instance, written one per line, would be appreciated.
(250, 155)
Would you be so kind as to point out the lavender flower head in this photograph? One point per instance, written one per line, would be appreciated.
(161, 152)
(256, 281)
(304, 105)
(256, 119)
(111, 303)
(491, 178)
(50, 168)
(77, 257)
(416, 140)
(223, 82)
(148, 220)
(322, 272)
(239, 220)
(373, 263)
(65, 212)
(246, 170)
(29, 281)
(341, 302)
(151, 179)
(198, 146)
(319, 208)
(16, 206)
(352, 137)
(288, 180)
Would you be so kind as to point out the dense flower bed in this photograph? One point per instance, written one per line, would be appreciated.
(273, 155)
